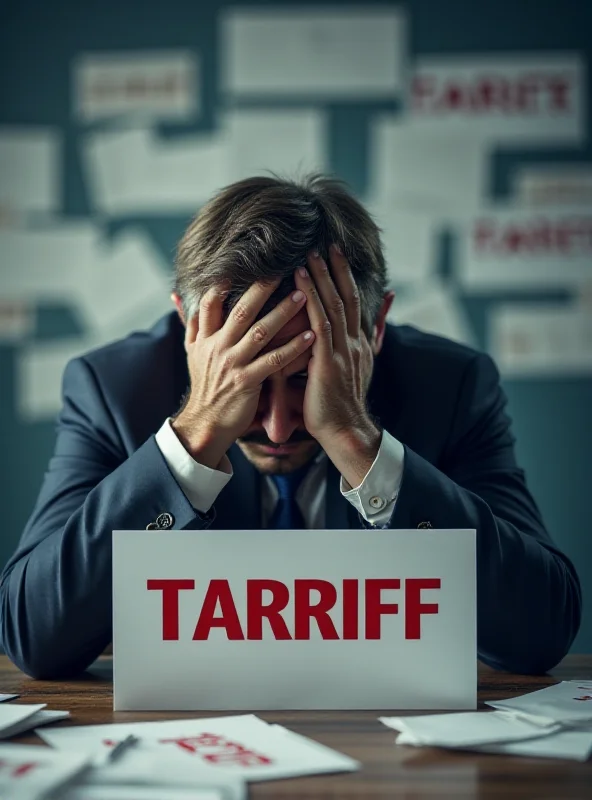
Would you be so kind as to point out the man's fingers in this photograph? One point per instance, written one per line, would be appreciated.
(347, 288)
(244, 313)
(276, 360)
(330, 298)
(191, 330)
(319, 321)
(211, 310)
(262, 332)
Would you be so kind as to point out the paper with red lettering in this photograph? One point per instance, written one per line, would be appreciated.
(536, 98)
(568, 703)
(28, 772)
(242, 746)
(231, 620)
(507, 247)
(145, 770)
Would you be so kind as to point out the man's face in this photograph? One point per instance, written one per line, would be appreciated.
(277, 441)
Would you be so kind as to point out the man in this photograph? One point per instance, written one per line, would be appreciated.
(304, 409)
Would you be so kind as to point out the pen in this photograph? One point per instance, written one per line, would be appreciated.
(122, 747)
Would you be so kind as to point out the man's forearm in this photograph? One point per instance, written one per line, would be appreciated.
(56, 590)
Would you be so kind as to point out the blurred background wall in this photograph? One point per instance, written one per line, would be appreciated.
(463, 125)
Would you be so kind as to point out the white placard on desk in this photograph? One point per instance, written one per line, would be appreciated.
(294, 620)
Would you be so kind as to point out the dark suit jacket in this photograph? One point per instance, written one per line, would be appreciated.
(441, 400)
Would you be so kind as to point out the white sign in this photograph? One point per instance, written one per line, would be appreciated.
(514, 99)
(554, 185)
(358, 53)
(515, 248)
(304, 619)
(155, 85)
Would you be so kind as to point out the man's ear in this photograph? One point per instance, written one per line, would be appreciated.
(179, 306)
(379, 328)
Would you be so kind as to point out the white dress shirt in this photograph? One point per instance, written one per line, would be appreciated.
(374, 498)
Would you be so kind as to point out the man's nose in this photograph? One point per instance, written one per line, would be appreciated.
(279, 419)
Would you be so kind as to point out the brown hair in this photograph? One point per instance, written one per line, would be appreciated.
(263, 228)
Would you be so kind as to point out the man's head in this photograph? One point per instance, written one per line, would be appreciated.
(263, 229)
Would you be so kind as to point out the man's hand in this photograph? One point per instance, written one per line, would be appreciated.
(227, 370)
(339, 371)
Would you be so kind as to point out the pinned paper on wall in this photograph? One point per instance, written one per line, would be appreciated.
(554, 185)
(30, 169)
(357, 54)
(17, 321)
(433, 308)
(134, 172)
(53, 263)
(410, 241)
(155, 85)
(538, 340)
(514, 248)
(285, 142)
(128, 276)
(519, 99)
(444, 175)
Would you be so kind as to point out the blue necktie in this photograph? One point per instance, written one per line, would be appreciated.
(286, 514)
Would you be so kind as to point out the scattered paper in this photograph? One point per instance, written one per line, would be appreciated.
(503, 99)
(146, 793)
(156, 85)
(5, 697)
(33, 773)
(555, 722)
(433, 308)
(43, 717)
(286, 142)
(566, 703)
(410, 241)
(513, 248)
(14, 714)
(30, 169)
(537, 340)
(554, 185)
(574, 745)
(243, 745)
(354, 54)
(463, 730)
(425, 171)
(144, 769)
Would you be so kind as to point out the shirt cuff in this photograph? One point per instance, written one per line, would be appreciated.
(200, 484)
(376, 496)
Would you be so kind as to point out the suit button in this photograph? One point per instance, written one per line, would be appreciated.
(152, 526)
(165, 521)
(424, 525)
(377, 502)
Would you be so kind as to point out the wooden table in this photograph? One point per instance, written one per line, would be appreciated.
(388, 771)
